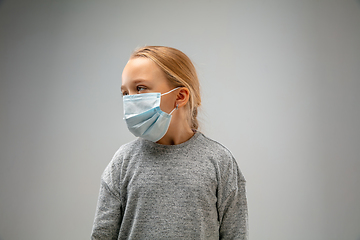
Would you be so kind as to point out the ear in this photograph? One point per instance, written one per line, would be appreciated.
(182, 97)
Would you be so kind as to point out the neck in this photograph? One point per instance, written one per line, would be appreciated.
(179, 131)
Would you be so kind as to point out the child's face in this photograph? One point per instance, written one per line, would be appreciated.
(142, 75)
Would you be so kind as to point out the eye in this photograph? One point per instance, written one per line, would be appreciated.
(140, 88)
(124, 93)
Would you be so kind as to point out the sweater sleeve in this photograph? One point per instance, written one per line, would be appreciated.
(232, 209)
(108, 213)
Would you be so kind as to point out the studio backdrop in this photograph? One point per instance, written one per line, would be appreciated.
(280, 83)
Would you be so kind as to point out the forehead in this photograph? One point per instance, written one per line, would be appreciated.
(140, 68)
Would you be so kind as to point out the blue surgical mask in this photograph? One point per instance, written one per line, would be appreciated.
(143, 115)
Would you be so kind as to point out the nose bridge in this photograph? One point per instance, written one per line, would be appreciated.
(129, 92)
(132, 92)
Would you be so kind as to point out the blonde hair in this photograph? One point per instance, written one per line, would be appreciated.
(180, 72)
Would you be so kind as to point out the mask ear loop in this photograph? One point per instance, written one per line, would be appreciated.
(176, 108)
(177, 105)
(170, 91)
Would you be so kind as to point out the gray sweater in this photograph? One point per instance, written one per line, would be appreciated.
(193, 190)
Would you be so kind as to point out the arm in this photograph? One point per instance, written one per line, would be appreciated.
(108, 214)
(233, 210)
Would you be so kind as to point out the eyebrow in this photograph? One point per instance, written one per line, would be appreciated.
(136, 81)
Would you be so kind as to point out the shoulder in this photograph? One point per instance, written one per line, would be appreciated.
(126, 149)
(112, 171)
(221, 157)
(212, 148)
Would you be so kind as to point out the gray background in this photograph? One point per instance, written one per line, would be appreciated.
(280, 86)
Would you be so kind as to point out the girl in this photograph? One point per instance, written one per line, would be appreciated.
(172, 182)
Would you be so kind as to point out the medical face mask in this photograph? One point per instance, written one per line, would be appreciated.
(143, 115)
